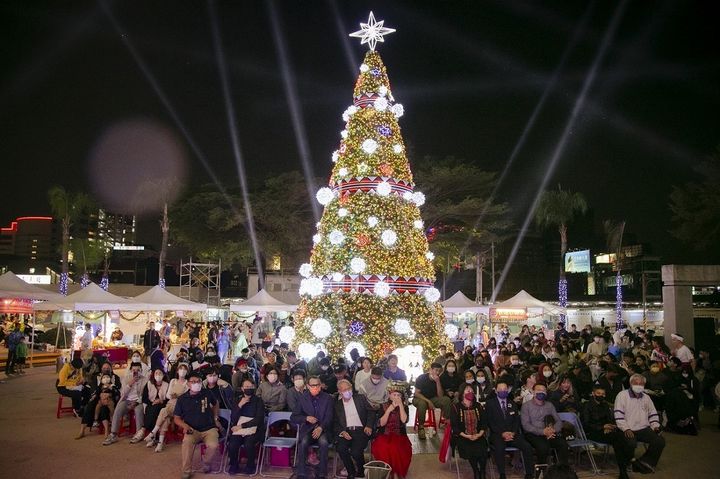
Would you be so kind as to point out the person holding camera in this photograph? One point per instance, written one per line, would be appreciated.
(130, 400)
(197, 412)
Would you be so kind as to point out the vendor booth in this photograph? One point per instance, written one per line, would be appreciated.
(523, 308)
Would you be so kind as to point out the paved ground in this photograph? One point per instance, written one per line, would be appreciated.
(34, 444)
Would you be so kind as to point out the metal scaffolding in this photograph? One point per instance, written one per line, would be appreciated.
(200, 282)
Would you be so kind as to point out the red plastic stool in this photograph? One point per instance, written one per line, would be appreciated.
(174, 433)
(63, 409)
(429, 420)
(130, 429)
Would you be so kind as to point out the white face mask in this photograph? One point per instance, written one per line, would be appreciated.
(182, 373)
(299, 383)
(195, 387)
(136, 358)
(272, 378)
(481, 379)
(514, 362)
(450, 369)
(637, 388)
(159, 377)
(547, 373)
(375, 381)
(324, 368)
(469, 381)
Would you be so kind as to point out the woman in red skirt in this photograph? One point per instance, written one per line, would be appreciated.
(392, 444)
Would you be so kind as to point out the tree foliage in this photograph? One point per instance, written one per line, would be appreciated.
(696, 207)
(460, 212)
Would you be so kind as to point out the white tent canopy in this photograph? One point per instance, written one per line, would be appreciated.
(263, 301)
(459, 303)
(13, 287)
(91, 298)
(158, 299)
(524, 300)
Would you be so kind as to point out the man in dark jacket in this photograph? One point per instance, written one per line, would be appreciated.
(248, 414)
(314, 414)
(354, 422)
(151, 339)
(503, 418)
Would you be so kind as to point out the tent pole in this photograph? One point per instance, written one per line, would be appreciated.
(32, 343)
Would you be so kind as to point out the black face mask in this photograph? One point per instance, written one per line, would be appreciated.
(599, 398)
(249, 391)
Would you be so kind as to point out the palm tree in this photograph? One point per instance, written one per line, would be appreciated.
(558, 208)
(165, 227)
(67, 207)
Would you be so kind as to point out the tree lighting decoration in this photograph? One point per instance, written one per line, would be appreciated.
(451, 331)
(321, 328)
(371, 33)
(389, 238)
(619, 323)
(324, 196)
(307, 350)
(305, 270)
(562, 295)
(358, 265)
(381, 104)
(64, 284)
(382, 257)
(84, 281)
(398, 110)
(105, 283)
(430, 255)
(286, 334)
(402, 326)
(317, 238)
(369, 146)
(432, 294)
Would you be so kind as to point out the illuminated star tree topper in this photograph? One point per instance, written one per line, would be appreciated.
(372, 32)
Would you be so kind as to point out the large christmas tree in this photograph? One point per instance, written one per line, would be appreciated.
(370, 277)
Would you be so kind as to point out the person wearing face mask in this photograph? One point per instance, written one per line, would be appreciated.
(136, 357)
(272, 391)
(483, 388)
(598, 347)
(176, 388)
(246, 430)
(353, 426)
(219, 388)
(155, 399)
(429, 393)
(314, 415)
(197, 413)
(564, 398)
(391, 445)
(546, 375)
(468, 428)
(636, 417)
(297, 389)
(151, 338)
(542, 427)
(612, 381)
(598, 422)
(200, 364)
(94, 416)
(656, 383)
(529, 379)
(242, 372)
(503, 420)
(450, 379)
(130, 400)
(366, 365)
(374, 388)
(682, 404)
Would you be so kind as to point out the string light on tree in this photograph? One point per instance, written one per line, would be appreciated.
(286, 334)
(105, 283)
(451, 331)
(307, 350)
(383, 246)
(372, 32)
(402, 326)
(321, 328)
(305, 270)
(324, 196)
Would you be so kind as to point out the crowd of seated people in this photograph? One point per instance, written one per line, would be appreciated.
(507, 394)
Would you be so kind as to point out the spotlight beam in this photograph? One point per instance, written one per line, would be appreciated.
(166, 103)
(234, 137)
(344, 38)
(562, 142)
(296, 116)
(577, 35)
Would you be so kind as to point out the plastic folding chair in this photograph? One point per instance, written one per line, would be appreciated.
(581, 442)
(226, 458)
(491, 457)
(225, 413)
(277, 442)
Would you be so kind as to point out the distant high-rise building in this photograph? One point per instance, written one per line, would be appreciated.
(106, 227)
(30, 237)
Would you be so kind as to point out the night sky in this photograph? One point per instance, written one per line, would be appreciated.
(469, 74)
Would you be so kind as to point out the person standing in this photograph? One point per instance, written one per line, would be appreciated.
(354, 423)
(429, 393)
(151, 339)
(314, 415)
(503, 420)
(468, 429)
(21, 352)
(197, 413)
(636, 417)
